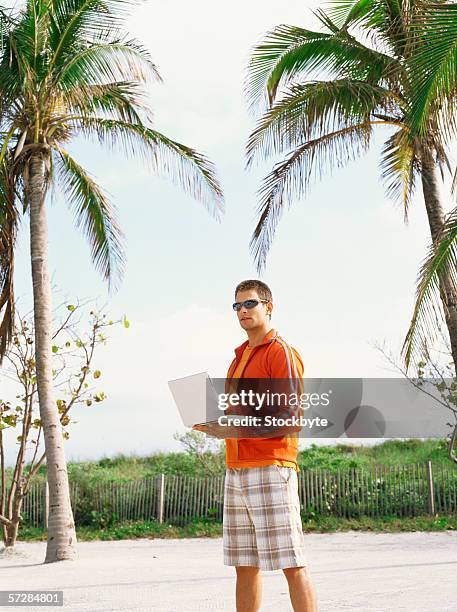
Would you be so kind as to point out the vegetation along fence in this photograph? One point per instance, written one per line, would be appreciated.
(407, 490)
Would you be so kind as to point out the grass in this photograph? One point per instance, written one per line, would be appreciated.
(389, 453)
(213, 529)
(123, 468)
(127, 468)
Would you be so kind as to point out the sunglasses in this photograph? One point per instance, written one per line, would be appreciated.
(247, 304)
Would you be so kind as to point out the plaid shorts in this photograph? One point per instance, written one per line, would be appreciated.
(262, 524)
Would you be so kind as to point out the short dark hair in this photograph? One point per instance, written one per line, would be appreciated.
(262, 289)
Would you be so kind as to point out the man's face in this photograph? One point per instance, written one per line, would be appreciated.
(250, 318)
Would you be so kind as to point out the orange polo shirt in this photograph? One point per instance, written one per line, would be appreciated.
(258, 462)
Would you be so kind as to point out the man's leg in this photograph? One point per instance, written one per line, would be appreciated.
(275, 506)
(248, 588)
(301, 589)
(240, 547)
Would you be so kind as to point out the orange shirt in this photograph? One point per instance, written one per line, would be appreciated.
(244, 358)
(231, 443)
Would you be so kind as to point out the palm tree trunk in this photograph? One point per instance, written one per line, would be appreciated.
(435, 213)
(61, 527)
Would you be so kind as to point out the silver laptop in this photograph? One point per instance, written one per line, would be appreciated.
(196, 399)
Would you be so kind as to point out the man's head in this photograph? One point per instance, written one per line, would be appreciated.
(260, 315)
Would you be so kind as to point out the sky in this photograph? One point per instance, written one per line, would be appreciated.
(342, 268)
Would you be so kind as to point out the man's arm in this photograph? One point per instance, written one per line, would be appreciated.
(286, 364)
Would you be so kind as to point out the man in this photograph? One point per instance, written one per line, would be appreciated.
(262, 527)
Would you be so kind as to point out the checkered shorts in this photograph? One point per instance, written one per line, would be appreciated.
(262, 524)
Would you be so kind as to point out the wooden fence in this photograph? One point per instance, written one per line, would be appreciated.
(409, 490)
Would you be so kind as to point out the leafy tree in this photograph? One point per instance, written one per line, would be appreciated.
(76, 381)
(208, 453)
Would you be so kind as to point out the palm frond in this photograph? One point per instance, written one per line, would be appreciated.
(16, 70)
(345, 13)
(7, 19)
(326, 21)
(440, 263)
(399, 168)
(308, 110)
(434, 65)
(291, 178)
(288, 51)
(386, 23)
(122, 60)
(8, 233)
(121, 100)
(95, 214)
(75, 24)
(30, 39)
(188, 168)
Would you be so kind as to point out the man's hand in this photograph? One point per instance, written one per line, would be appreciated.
(234, 431)
(219, 431)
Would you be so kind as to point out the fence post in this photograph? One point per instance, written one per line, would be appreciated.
(161, 497)
(431, 496)
(46, 504)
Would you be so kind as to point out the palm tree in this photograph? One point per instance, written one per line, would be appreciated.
(367, 51)
(68, 68)
(434, 72)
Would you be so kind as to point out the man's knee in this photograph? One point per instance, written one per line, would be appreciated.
(292, 573)
(247, 570)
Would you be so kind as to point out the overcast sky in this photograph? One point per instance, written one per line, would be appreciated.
(342, 268)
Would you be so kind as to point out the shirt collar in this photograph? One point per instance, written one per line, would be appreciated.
(269, 336)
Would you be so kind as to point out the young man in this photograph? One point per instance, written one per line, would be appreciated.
(262, 527)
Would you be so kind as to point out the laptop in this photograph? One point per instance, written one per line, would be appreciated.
(196, 399)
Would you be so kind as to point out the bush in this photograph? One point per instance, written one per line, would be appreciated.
(104, 519)
(85, 514)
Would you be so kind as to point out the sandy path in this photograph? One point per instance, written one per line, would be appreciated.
(410, 572)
